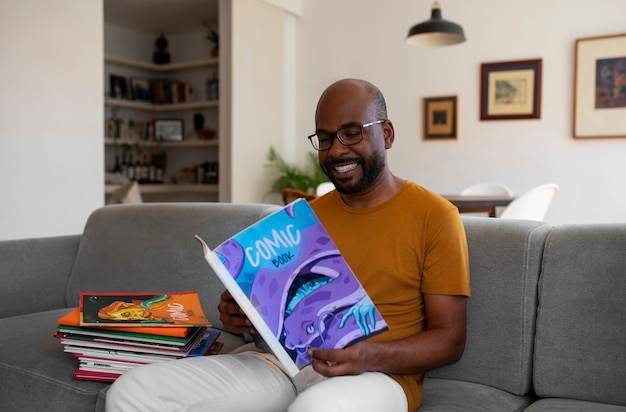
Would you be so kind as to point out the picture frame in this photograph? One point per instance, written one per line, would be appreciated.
(169, 130)
(440, 118)
(118, 87)
(141, 89)
(600, 87)
(510, 90)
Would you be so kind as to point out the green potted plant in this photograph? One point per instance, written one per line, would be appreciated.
(213, 37)
(304, 177)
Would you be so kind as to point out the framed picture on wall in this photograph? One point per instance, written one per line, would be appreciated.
(168, 130)
(510, 90)
(600, 87)
(439, 118)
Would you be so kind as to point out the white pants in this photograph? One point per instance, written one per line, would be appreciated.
(248, 381)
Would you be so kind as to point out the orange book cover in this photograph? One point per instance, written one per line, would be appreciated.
(141, 309)
(73, 319)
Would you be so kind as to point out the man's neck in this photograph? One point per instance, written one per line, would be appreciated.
(382, 190)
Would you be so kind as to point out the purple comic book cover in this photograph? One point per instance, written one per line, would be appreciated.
(295, 277)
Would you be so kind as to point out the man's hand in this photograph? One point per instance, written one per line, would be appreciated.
(336, 362)
(232, 317)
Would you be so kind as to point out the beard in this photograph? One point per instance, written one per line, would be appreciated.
(372, 170)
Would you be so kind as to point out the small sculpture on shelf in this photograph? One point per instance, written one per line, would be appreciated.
(161, 56)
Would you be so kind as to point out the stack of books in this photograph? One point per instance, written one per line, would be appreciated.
(107, 348)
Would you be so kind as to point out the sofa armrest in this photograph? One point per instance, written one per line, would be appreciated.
(34, 273)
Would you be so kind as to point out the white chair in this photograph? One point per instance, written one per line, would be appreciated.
(533, 204)
(324, 188)
(487, 189)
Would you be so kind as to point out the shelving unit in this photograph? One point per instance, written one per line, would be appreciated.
(181, 154)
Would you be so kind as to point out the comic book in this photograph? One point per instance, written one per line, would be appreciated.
(295, 286)
(141, 309)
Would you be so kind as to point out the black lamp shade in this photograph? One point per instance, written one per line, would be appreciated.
(435, 32)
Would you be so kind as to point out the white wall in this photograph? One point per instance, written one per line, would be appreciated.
(51, 99)
(365, 39)
(257, 95)
(51, 120)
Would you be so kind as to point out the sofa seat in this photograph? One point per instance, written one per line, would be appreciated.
(34, 370)
(444, 395)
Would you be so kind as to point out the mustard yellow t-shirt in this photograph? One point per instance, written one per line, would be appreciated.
(414, 243)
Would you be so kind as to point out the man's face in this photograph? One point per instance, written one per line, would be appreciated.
(355, 168)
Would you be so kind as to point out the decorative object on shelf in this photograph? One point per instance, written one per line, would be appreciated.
(200, 131)
(140, 89)
(161, 55)
(440, 118)
(136, 130)
(213, 87)
(291, 176)
(168, 130)
(118, 87)
(113, 124)
(600, 87)
(207, 173)
(436, 31)
(198, 122)
(213, 37)
(510, 90)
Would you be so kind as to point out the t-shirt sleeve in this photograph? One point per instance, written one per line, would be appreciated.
(446, 265)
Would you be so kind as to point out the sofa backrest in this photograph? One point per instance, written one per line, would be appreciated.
(580, 349)
(151, 248)
(505, 259)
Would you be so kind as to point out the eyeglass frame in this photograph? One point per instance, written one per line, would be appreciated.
(335, 134)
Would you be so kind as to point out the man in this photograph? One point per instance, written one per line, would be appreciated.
(407, 247)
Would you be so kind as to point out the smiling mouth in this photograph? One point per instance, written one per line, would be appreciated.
(345, 168)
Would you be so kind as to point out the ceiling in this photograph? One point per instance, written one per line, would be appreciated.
(155, 16)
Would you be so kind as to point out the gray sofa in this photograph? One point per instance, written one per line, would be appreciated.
(546, 322)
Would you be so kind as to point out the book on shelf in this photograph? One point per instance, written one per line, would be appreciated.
(141, 309)
(294, 285)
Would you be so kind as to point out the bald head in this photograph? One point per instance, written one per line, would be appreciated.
(354, 91)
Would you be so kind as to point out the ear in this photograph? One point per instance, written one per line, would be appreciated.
(389, 134)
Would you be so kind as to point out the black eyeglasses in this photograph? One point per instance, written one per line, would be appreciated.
(348, 136)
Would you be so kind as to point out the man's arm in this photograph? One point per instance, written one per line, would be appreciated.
(441, 343)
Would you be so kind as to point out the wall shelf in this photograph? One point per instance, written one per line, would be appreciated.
(185, 144)
(161, 68)
(169, 188)
(131, 104)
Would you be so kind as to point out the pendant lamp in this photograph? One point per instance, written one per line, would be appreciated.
(436, 31)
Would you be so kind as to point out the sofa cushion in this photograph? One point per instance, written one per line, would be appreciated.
(505, 257)
(571, 405)
(443, 395)
(35, 373)
(580, 350)
(151, 248)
